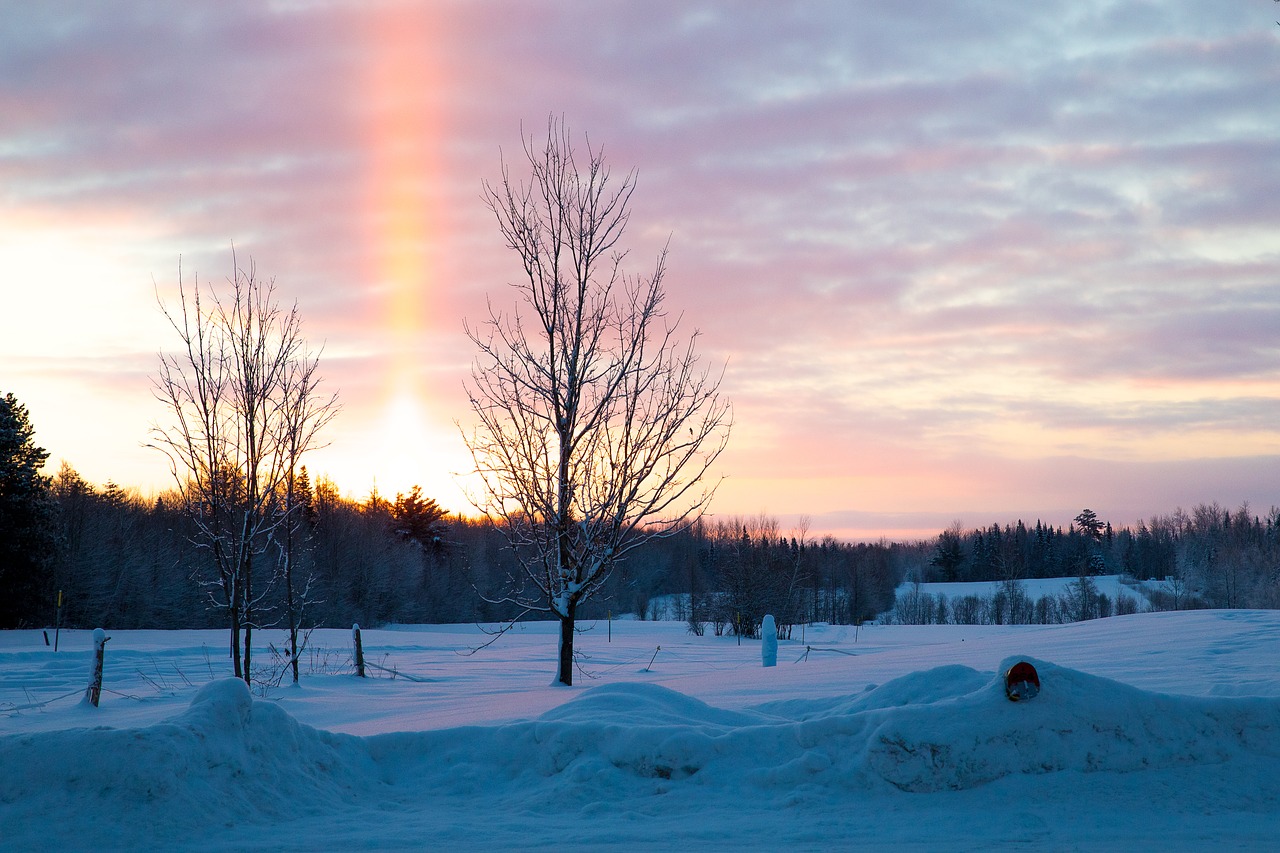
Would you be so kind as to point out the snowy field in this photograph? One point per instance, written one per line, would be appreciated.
(1154, 731)
(1112, 586)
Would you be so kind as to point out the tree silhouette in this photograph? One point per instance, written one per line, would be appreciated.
(595, 421)
(28, 519)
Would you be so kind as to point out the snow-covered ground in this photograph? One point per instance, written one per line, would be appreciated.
(1154, 731)
(1112, 586)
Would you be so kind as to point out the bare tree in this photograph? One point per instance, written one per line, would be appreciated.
(240, 392)
(595, 421)
(304, 411)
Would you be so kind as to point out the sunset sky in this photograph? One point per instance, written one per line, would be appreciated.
(968, 261)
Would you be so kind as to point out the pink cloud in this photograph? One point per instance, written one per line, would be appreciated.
(859, 202)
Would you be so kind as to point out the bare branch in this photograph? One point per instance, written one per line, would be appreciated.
(595, 422)
(242, 395)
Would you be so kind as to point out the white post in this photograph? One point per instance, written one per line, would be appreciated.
(769, 644)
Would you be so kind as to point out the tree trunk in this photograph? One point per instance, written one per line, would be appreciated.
(248, 614)
(235, 640)
(293, 625)
(288, 582)
(248, 644)
(566, 644)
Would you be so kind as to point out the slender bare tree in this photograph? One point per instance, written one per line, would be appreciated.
(304, 411)
(235, 392)
(596, 421)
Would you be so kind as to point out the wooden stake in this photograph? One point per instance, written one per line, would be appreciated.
(355, 636)
(94, 691)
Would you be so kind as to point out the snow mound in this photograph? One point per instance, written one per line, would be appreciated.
(927, 739)
(228, 761)
(949, 728)
(646, 705)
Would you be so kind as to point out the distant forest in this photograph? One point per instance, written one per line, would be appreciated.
(121, 561)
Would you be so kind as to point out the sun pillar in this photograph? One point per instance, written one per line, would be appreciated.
(404, 92)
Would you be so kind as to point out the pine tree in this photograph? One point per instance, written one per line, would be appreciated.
(1089, 524)
(948, 554)
(305, 495)
(419, 519)
(28, 521)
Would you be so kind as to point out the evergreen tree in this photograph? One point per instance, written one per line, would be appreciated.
(28, 521)
(419, 518)
(948, 555)
(304, 496)
(1088, 523)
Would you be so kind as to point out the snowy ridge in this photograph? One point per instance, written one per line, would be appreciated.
(231, 762)
(1157, 730)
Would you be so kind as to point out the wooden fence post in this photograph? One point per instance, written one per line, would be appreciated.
(355, 636)
(94, 691)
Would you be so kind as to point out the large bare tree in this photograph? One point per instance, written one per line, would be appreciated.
(242, 396)
(596, 421)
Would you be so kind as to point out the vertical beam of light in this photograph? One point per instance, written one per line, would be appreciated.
(405, 170)
(406, 163)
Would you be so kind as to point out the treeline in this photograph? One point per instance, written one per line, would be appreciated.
(128, 562)
(1208, 557)
(748, 569)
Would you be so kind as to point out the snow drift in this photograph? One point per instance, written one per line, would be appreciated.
(226, 760)
(229, 761)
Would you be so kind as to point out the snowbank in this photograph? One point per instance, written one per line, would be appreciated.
(953, 728)
(227, 760)
(229, 769)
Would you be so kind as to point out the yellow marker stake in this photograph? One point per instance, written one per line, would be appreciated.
(57, 628)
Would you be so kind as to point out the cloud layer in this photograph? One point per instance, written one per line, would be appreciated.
(951, 252)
